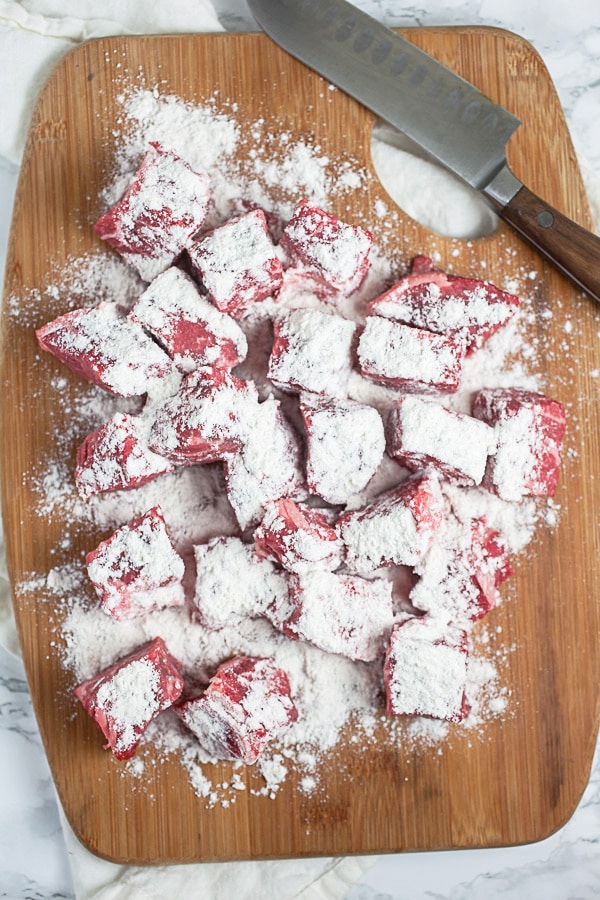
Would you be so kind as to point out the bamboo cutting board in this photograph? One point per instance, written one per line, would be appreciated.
(523, 779)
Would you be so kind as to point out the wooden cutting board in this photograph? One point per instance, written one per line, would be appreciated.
(523, 779)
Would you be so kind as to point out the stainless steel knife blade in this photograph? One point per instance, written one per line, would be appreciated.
(450, 119)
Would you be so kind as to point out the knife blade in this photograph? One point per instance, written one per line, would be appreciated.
(453, 122)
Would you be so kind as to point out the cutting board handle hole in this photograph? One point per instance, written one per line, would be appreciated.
(427, 192)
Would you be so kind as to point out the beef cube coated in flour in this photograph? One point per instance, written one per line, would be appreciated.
(413, 359)
(238, 263)
(422, 433)
(335, 253)
(396, 528)
(187, 325)
(297, 537)
(106, 348)
(159, 213)
(246, 705)
(465, 308)
(529, 429)
(116, 456)
(127, 696)
(137, 569)
(425, 670)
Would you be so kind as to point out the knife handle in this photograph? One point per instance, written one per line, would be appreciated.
(571, 248)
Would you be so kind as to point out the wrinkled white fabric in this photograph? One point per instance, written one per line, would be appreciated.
(34, 34)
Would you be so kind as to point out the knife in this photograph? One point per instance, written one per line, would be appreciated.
(437, 110)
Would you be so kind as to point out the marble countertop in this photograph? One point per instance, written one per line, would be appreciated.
(33, 857)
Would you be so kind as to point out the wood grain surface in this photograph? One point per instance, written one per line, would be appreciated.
(524, 777)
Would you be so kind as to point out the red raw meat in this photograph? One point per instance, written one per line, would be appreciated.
(137, 569)
(341, 614)
(464, 308)
(267, 466)
(529, 428)
(413, 359)
(207, 420)
(238, 263)
(297, 537)
(334, 251)
(425, 670)
(397, 528)
(233, 583)
(459, 578)
(103, 346)
(345, 446)
(312, 351)
(422, 433)
(246, 705)
(127, 696)
(117, 457)
(159, 213)
(187, 325)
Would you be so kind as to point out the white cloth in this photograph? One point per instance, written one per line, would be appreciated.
(34, 34)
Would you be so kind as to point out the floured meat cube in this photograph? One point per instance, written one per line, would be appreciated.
(268, 465)
(103, 346)
(409, 358)
(125, 698)
(312, 352)
(341, 614)
(422, 433)
(297, 537)
(187, 325)
(207, 420)
(459, 578)
(466, 308)
(336, 252)
(345, 445)
(137, 569)
(425, 671)
(397, 528)
(529, 428)
(233, 583)
(246, 705)
(117, 457)
(238, 263)
(158, 214)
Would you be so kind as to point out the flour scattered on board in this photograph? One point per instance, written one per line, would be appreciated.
(335, 696)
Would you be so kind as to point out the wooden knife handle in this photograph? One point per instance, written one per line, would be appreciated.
(573, 249)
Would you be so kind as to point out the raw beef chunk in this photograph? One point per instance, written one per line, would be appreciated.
(529, 429)
(341, 614)
(117, 457)
(459, 579)
(103, 346)
(187, 325)
(238, 263)
(233, 583)
(297, 537)
(268, 465)
(245, 706)
(207, 420)
(421, 433)
(425, 670)
(464, 308)
(127, 696)
(137, 570)
(397, 528)
(401, 356)
(312, 352)
(345, 445)
(335, 252)
(158, 214)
